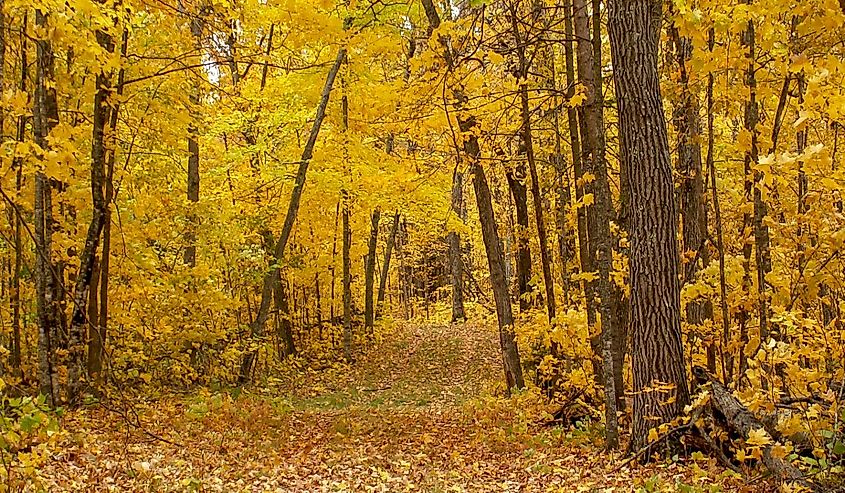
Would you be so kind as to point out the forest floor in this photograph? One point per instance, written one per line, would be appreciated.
(414, 413)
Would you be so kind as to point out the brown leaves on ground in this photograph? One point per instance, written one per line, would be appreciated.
(413, 414)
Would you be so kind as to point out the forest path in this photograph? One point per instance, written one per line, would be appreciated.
(413, 414)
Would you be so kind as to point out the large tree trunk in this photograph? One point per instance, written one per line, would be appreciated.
(657, 352)
(599, 214)
(270, 277)
(369, 274)
(385, 268)
(456, 263)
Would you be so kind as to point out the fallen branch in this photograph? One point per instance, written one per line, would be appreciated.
(741, 420)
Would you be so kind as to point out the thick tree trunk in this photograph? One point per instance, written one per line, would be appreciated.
(369, 274)
(385, 268)
(598, 214)
(660, 381)
(270, 277)
(456, 263)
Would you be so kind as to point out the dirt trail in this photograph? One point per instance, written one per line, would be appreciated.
(410, 415)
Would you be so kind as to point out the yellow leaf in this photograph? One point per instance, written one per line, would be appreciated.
(758, 438)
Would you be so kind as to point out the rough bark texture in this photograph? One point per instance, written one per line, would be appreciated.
(599, 214)
(369, 274)
(385, 268)
(270, 277)
(660, 382)
(456, 262)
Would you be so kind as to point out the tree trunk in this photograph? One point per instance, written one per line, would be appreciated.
(660, 382)
(369, 274)
(495, 260)
(47, 277)
(193, 192)
(285, 318)
(694, 224)
(456, 263)
(385, 268)
(599, 214)
(727, 358)
(17, 164)
(347, 282)
(79, 323)
(270, 277)
(761, 230)
(528, 144)
(523, 251)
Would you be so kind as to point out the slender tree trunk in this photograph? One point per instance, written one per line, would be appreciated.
(193, 188)
(456, 263)
(334, 260)
(599, 214)
(727, 357)
(385, 268)
(577, 128)
(489, 230)
(285, 324)
(17, 164)
(495, 260)
(528, 144)
(761, 230)
(369, 274)
(47, 275)
(79, 323)
(270, 277)
(658, 352)
(520, 233)
(347, 283)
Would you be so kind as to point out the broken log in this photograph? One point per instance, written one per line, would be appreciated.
(743, 422)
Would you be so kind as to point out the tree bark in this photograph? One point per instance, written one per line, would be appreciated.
(193, 185)
(347, 282)
(369, 274)
(528, 144)
(47, 278)
(523, 251)
(385, 268)
(660, 381)
(456, 263)
(17, 164)
(598, 214)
